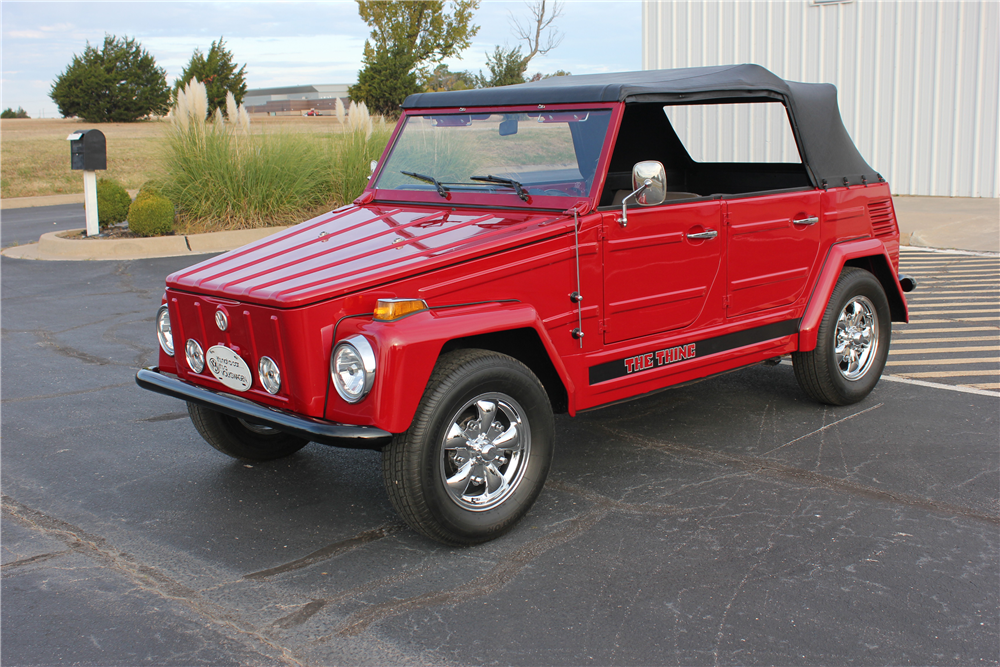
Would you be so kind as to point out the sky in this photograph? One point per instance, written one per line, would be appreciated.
(281, 43)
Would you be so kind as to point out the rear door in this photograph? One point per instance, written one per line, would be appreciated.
(773, 244)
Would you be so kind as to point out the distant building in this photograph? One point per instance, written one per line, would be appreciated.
(295, 100)
(919, 82)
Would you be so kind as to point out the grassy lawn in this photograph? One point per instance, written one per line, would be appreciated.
(34, 153)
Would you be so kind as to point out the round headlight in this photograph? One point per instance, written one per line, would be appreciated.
(194, 355)
(163, 330)
(269, 375)
(352, 367)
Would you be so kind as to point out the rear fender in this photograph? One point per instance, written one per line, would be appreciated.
(408, 348)
(868, 254)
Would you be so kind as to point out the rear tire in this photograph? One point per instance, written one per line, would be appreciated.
(852, 343)
(476, 456)
(240, 439)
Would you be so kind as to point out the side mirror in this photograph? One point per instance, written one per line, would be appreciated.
(374, 166)
(649, 180)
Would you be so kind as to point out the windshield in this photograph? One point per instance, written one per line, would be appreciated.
(525, 154)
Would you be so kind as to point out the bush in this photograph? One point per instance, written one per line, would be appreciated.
(112, 202)
(10, 113)
(151, 214)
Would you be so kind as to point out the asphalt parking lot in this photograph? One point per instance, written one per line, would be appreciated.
(732, 521)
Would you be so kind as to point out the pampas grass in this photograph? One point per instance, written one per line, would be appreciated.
(220, 176)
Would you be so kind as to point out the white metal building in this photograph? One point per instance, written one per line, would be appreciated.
(918, 82)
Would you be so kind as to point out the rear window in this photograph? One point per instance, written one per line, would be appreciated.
(750, 132)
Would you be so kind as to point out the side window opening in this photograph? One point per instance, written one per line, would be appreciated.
(722, 148)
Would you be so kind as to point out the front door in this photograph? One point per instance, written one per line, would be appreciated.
(659, 269)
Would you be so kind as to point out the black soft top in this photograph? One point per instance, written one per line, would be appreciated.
(828, 153)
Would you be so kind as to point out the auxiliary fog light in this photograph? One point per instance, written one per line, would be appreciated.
(194, 355)
(270, 375)
(352, 368)
(163, 333)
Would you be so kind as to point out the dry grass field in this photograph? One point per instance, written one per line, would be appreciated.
(34, 153)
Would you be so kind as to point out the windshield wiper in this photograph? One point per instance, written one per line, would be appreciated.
(443, 191)
(509, 182)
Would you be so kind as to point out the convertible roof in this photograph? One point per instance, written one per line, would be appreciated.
(827, 150)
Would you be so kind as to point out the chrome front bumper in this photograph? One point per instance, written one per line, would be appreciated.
(315, 430)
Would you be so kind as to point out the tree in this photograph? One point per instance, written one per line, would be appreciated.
(384, 83)
(406, 36)
(120, 83)
(442, 78)
(219, 74)
(539, 34)
(506, 67)
(10, 113)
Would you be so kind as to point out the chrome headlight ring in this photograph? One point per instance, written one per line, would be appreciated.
(163, 332)
(269, 375)
(352, 368)
(195, 355)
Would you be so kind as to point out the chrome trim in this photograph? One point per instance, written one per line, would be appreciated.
(806, 221)
(192, 350)
(262, 374)
(316, 430)
(856, 339)
(485, 451)
(365, 351)
(165, 338)
(221, 320)
(707, 234)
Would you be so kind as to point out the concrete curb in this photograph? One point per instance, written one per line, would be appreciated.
(54, 247)
(48, 200)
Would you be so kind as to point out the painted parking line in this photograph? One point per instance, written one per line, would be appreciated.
(954, 318)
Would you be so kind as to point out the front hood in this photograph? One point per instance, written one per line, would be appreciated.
(354, 248)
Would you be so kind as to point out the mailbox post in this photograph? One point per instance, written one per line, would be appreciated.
(88, 152)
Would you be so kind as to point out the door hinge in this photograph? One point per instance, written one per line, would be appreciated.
(725, 302)
(600, 233)
(602, 326)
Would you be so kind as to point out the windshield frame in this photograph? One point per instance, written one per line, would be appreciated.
(502, 198)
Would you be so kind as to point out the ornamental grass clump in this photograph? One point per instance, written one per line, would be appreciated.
(363, 140)
(220, 176)
(112, 202)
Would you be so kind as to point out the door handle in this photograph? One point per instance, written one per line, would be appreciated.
(806, 221)
(707, 234)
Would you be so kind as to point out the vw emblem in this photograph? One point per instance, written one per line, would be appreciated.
(221, 320)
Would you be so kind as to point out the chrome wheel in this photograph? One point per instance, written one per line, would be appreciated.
(485, 451)
(856, 338)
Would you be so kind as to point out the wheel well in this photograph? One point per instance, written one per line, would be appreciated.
(877, 266)
(525, 346)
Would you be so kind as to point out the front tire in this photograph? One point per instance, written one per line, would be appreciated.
(852, 343)
(241, 439)
(476, 456)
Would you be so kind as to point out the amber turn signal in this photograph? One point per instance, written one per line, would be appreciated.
(387, 310)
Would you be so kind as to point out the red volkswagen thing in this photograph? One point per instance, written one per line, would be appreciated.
(535, 249)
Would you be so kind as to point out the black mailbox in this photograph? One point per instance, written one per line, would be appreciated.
(88, 150)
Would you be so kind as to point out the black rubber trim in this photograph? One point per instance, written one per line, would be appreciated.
(315, 430)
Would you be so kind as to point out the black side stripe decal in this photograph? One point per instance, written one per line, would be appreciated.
(647, 361)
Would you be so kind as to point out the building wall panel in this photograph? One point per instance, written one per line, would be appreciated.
(918, 82)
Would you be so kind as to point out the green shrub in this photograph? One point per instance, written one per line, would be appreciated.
(10, 113)
(151, 215)
(112, 202)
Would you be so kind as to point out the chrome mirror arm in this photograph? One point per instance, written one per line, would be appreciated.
(623, 221)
